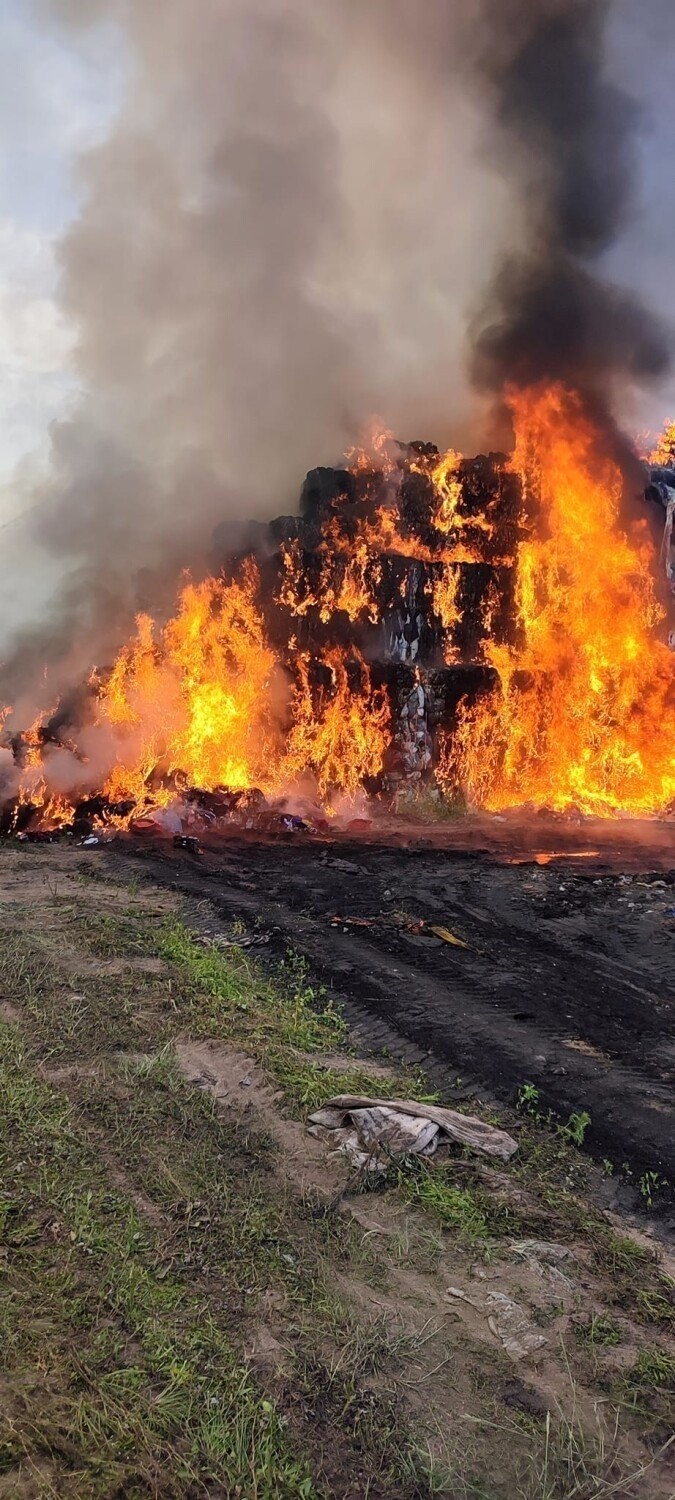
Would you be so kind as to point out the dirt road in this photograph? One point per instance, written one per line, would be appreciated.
(567, 979)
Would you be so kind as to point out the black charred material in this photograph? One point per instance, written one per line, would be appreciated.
(312, 552)
(661, 486)
(222, 802)
(324, 492)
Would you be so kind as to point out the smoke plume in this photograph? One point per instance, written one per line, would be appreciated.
(277, 241)
(570, 134)
(284, 234)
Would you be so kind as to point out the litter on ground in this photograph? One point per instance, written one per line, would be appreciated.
(370, 1132)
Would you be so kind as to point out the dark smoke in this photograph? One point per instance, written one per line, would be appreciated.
(552, 314)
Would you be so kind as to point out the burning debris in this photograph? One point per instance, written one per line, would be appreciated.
(488, 626)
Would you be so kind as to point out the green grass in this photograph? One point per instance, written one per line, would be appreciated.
(226, 990)
(125, 1375)
(468, 1212)
(194, 1234)
(648, 1388)
(283, 1019)
(600, 1331)
(654, 1369)
(657, 1304)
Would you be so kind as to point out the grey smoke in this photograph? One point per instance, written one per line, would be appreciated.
(277, 242)
(284, 234)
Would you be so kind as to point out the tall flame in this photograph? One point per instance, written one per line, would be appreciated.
(204, 700)
(195, 698)
(583, 714)
(344, 738)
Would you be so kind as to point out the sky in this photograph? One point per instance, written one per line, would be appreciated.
(58, 96)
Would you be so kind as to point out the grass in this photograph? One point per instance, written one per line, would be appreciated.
(578, 1461)
(143, 1278)
(654, 1369)
(284, 1020)
(183, 1402)
(143, 1236)
(648, 1387)
(125, 1375)
(599, 1332)
(470, 1213)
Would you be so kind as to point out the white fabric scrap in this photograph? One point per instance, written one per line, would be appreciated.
(372, 1131)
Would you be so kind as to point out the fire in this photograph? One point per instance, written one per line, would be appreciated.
(347, 582)
(583, 714)
(384, 533)
(449, 515)
(448, 488)
(34, 791)
(561, 615)
(356, 592)
(343, 738)
(377, 452)
(664, 452)
(195, 698)
(352, 546)
(204, 700)
(446, 603)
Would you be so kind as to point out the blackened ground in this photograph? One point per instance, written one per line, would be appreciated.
(567, 981)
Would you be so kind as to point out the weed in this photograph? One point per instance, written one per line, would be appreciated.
(649, 1184)
(622, 1256)
(24, 971)
(184, 1404)
(656, 1305)
(528, 1098)
(572, 1460)
(472, 1215)
(653, 1368)
(289, 1013)
(576, 1127)
(600, 1330)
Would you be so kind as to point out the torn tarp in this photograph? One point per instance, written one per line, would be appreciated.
(372, 1131)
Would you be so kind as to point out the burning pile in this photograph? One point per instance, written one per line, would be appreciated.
(489, 626)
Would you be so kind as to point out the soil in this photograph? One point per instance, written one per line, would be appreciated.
(567, 979)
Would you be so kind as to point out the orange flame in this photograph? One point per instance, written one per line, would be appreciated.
(344, 739)
(196, 697)
(664, 452)
(584, 711)
(198, 701)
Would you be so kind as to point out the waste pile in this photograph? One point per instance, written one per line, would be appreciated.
(486, 631)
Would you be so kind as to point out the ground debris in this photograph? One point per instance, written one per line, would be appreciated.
(373, 1131)
(507, 1321)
